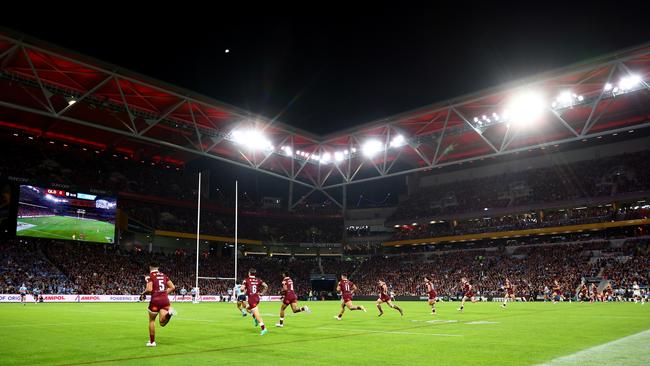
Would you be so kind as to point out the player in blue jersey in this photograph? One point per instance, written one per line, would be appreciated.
(241, 299)
(183, 293)
(23, 293)
(36, 292)
(194, 292)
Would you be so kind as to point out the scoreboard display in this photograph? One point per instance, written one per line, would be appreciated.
(61, 214)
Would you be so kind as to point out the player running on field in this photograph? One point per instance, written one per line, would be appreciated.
(159, 286)
(556, 294)
(468, 293)
(194, 291)
(384, 296)
(431, 293)
(346, 288)
(636, 293)
(241, 299)
(183, 293)
(289, 298)
(509, 293)
(594, 293)
(584, 292)
(36, 292)
(23, 293)
(252, 287)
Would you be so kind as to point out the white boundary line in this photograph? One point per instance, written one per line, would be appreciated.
(629, 350)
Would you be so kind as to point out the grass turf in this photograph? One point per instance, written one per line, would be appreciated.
(63, 227)
(216, 333)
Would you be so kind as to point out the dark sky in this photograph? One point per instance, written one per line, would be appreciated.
(324, 70)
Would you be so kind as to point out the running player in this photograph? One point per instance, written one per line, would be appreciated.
(468, 293)
(289, 298)
(384, 296)
(36, 292)
(556, 293)
(23, 294)
(241, 299)
(584, 292)
(346, 288)
(636, 293)
(608, 292)
(431, 292)
(183, 293)
(252, 286)
(159, 286)
(194, 291)
(594, 293)
(509, 293)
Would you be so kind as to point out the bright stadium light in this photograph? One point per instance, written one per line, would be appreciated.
(629, 82)
(326, 158)
(338, 156)
(524, 108)
(287, 150)
(371, 147)
(251, 139)
(608, 87)
(398, 141)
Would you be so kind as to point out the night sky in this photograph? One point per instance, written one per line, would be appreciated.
(325, 70)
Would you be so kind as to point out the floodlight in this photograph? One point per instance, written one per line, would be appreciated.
(326, 158)
(371, 147)
(398, 141)
(71, 100)
(338, 156)
(251, 139)
(608, 87)
(629, 82)
(525, 108)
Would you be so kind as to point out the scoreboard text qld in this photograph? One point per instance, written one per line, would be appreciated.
(58, 192)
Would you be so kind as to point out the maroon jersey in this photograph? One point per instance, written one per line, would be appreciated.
(159, 299)
(290, 294)
(252, 286)
(346, 290)
(431, 291)
(467, 290)
(383, 293)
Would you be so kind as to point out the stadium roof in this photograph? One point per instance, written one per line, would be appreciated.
(58, 94)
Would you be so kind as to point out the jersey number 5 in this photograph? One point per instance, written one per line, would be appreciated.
(161, 285)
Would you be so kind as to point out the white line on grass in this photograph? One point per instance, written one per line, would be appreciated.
(391, 332)
(630, 350)
(61, 324)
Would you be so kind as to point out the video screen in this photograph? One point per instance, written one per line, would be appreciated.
(59, 214)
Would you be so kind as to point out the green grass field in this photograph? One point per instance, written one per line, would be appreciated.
(63, 227)
(216, 334)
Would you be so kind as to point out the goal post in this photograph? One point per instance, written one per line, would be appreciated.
(230, 280)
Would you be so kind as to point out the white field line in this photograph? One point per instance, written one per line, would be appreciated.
(630, 350)
(391, 332)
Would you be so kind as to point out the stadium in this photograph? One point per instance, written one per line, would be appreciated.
(507, 226)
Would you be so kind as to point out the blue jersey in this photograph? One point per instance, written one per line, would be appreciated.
(238, 291)
(193, 290)
(36, 291)
(23, 290)
(183, 291)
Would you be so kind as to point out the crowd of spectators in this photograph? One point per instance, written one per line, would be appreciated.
(562, 217)
(586, 179)
(68, 267)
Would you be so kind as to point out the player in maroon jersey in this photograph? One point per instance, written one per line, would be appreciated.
(509, 293)
(346, 288)
(431, 292)
(557, 292)
(384, 296)
(594, 293)
(289, 298)
(159, 286)
(608, 293)
(584, 292)
(468, 293)
(252, 287)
